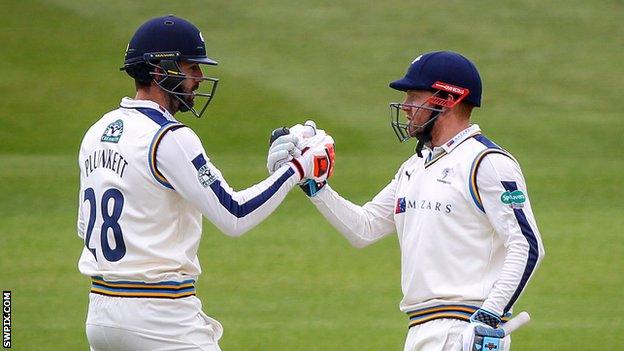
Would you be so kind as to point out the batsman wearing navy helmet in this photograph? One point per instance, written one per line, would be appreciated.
(469, 241)
(146, 181)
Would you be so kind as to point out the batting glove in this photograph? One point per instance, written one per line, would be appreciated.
(305, 132)
(287, 143)
(317, 160)
(483, 334)
(282, 149)
(313, 155)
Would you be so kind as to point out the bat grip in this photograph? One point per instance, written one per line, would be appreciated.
(518, 321)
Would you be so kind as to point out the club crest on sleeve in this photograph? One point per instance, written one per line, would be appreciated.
(515, 199)
(113, 132)
(205, 176)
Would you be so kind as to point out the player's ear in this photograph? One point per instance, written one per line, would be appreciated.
(450, 101)
(159, 73)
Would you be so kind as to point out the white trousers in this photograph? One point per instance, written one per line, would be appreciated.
(120, 323)
(439, 335)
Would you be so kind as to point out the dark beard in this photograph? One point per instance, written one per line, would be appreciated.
(189, 102)
(186, 98)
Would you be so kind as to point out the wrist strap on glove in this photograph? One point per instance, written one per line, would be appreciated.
(310, 187)
(485, 317)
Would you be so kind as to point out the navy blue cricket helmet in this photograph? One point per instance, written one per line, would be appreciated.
(168, 34)
(442, 66)
(155, 50)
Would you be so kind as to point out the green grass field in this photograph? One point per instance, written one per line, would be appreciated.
(552, 75)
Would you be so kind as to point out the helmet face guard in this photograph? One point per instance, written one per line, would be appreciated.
(401, 129)
(169, 77)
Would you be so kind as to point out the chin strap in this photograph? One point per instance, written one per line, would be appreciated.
(426, 134)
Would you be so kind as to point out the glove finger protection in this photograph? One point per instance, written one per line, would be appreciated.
(483, 333)
(305, 130)
(313, 156)
(282, 150)
(480, 337)
(307, 133)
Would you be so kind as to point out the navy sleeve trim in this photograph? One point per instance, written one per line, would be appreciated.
(530, 237)
(242, 210)
(154, 115)
(485, 141)
(199, 161)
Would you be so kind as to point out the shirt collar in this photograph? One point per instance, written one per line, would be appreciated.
(460, 137)
(132, 103)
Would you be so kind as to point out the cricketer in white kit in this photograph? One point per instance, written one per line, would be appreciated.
(469, 241)
(145, 182)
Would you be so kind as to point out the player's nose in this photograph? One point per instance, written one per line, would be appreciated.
(199, 72)
(407, 109)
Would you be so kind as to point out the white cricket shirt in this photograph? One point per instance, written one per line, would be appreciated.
(145, 181)
(464, 222)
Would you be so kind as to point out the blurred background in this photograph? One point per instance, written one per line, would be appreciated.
(553, 75)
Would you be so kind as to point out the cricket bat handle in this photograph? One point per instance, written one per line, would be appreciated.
(521, 319)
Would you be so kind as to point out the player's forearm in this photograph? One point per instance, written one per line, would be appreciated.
(524, 253)
(236, 212)
(183, 162)
(360, 225)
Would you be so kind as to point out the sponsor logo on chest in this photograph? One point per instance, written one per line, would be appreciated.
(404, 204)
(446, 175)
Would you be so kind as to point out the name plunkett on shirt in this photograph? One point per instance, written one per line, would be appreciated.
(105, 158)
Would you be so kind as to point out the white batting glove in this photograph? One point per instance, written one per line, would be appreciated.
(304, 132)
(316, 160)
(310, 150)
(282, 150)
(319, 145)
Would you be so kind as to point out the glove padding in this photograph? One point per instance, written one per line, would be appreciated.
(481, 337)
(483, 334)
(317, 159)
(283, 148)
(310, 149)
(291, 138)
